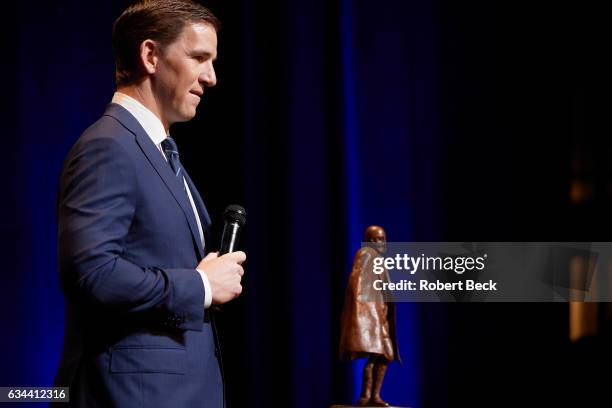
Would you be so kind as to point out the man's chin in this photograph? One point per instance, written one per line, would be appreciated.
(186, 116)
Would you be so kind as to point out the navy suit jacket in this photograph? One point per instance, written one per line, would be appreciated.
(136, 332)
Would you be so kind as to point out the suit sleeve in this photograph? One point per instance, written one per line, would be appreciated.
(96, 205)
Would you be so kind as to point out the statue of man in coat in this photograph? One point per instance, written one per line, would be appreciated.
(368, 320)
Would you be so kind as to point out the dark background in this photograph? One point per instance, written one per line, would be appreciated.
(439, 120)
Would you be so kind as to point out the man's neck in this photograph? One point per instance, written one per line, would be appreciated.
(144, 95)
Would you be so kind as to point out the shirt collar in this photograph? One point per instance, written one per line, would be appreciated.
(147, 119)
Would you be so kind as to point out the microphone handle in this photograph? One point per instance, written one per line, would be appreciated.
(229, 239)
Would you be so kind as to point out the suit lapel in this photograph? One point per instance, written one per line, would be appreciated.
(160, 165)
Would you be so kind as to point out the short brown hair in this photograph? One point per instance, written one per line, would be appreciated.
(159, 20)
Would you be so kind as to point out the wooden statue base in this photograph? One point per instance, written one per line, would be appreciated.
(364, 406)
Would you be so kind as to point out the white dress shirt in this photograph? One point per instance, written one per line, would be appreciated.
(155, 130)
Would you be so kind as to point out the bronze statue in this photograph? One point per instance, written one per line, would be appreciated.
(368, 321)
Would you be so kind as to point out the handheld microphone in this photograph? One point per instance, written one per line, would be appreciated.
(234, 217)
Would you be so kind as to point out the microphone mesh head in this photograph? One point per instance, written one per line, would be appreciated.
(235, 213)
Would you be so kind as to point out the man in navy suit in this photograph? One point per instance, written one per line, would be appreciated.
(137, 283)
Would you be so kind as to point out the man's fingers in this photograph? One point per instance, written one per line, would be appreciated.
(238, 256)
(225, 276)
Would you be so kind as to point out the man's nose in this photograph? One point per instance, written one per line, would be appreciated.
(208, 76)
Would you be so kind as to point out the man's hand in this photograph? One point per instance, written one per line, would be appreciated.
(224, 275)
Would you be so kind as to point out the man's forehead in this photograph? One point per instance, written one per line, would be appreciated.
(199, 36)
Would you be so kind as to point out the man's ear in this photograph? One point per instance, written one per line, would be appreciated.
(149, 53)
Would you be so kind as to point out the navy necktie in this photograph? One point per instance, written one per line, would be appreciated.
(172, 154)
